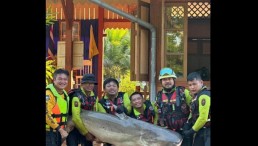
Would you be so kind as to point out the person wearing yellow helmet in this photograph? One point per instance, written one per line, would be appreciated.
(173, 104)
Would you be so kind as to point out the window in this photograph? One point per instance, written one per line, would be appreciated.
(75, 31)
(187, 38)
(175, 38)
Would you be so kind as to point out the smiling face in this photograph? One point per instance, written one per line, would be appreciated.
(60, 81)
(137, 101)
(167, 83)
(111, 88)
(88, 86)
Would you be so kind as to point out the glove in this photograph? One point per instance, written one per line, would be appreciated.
(120, 109)
(187, 126)
(188, 133)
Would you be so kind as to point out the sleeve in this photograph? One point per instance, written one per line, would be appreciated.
(76, 118)
(204, 108)
(95, 108)
(156, 113)
(127, 103)
(50, 103)
(188, 97)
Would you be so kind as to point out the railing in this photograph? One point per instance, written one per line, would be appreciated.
(144, 92)
(87, 69)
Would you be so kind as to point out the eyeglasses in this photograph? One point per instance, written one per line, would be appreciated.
(167, 71)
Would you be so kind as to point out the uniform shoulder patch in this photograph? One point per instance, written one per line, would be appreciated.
(76, 104)
(47, 97)
(203, 102)
(151, 108)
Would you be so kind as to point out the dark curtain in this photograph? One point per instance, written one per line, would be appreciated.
(85, 37)
(55, 36)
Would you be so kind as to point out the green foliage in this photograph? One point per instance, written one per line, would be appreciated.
(50, 64)
(50, 16)
(117, 58)
(116, 53)
(50, 68)
(126, 85)
(174, 20)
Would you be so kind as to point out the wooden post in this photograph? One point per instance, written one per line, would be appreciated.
(68, 7)
(68, 55)
(145, 92)
(137, 88)
(100, 48)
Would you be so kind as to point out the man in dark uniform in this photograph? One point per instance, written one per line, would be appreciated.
(173, 104)
(143, 110)
(113, 101)
(82, 98)
(200, 111)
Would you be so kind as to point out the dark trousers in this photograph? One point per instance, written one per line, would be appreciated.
(187, 141)
(53, 138)
(202, 137)
(74, 138)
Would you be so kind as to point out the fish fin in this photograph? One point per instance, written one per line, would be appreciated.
(121, 116)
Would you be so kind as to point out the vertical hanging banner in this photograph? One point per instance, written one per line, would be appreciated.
(51, 44)
(93, 50)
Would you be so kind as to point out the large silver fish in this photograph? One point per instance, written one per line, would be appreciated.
(121, 130)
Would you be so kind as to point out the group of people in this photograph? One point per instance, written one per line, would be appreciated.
(186, 111)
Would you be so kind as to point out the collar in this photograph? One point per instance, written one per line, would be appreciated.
(105, 97)
(136, 112)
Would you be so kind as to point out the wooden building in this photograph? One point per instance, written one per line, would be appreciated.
(182, 35)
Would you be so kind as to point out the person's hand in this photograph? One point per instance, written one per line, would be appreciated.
(89, 136)
(70, 126)
(186, 126)
(63, 133)
(188, 133)
(120, 109)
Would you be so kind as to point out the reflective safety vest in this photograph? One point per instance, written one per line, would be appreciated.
(108, 105)
(195, 107)
(148, 115)
(173, 111)
(60, 110)
(87, 102)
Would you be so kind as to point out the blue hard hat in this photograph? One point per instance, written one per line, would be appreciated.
(167, 73)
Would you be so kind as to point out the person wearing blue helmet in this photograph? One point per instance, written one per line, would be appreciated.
(173, 104)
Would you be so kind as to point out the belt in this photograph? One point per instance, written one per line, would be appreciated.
(50, 130)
